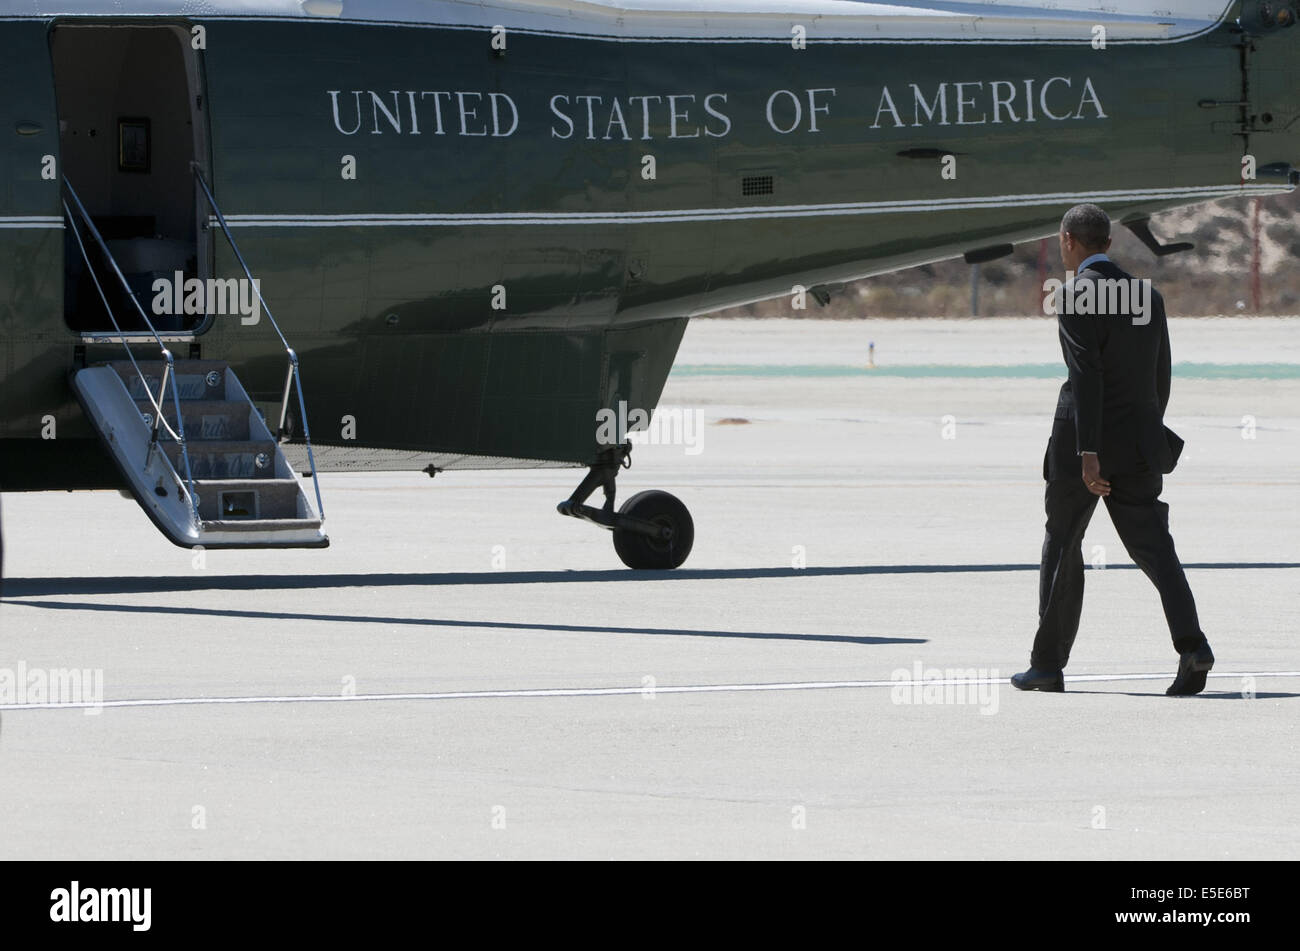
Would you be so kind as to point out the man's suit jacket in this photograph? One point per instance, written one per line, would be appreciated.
(1114, 400)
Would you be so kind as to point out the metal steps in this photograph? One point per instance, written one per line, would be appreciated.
(205, 420)
(219, 459)
(192, 447)
(196, 379)
(227, 485)
(230, 499)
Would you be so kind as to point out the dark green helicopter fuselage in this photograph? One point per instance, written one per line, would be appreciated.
(474, 250)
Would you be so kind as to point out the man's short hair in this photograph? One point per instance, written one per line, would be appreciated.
(1089, 225)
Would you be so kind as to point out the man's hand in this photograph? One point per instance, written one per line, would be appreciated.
(1092, 475)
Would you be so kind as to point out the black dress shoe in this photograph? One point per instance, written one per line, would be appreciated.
(1049, 681)
(1192, 668)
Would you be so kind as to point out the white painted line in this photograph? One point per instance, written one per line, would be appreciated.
(549, 692)
(14, 222)
(893, 206)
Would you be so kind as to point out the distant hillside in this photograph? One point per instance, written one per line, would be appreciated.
(1214, 278)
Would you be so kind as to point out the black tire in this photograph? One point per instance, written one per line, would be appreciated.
(642, 552)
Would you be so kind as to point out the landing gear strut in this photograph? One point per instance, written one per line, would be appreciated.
(653, 530)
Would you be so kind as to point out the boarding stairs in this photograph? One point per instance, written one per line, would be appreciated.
(194, 449)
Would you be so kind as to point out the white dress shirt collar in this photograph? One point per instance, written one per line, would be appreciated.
(1091, 259)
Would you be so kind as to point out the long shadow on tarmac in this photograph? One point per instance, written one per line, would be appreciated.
(37, 587)
(1209, 694)
(441, 622)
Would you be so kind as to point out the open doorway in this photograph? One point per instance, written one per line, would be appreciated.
(130, 125)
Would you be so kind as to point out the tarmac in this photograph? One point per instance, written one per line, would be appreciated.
(466, 674)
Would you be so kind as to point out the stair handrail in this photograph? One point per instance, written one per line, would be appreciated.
(169, 362)
(293, 376)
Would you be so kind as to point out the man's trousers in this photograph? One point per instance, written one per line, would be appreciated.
(1142, 522)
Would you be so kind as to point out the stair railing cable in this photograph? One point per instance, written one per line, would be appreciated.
(293, 377)
(168, 380)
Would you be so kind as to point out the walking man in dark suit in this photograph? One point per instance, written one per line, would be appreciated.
(1109, 442)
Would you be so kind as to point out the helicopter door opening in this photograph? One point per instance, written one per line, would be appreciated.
(130, 125)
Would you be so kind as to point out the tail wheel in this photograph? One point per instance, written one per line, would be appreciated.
(640, 551)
